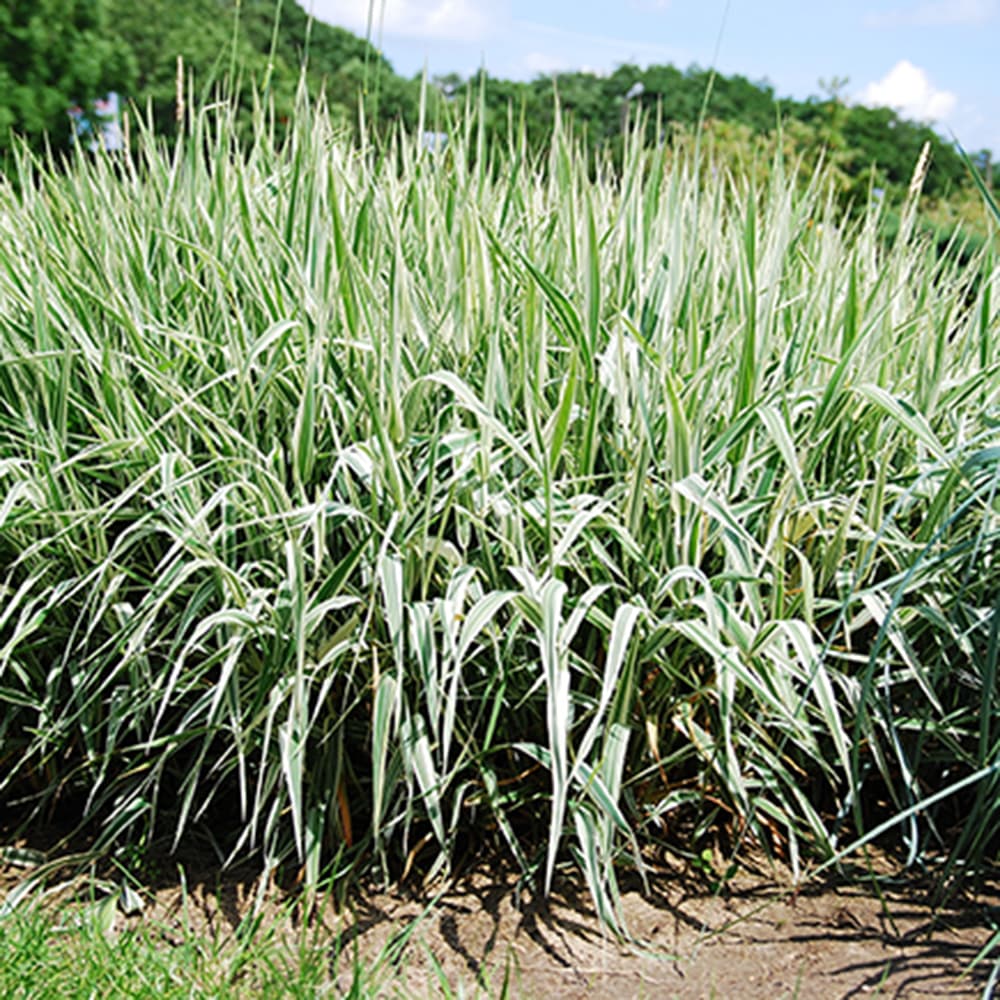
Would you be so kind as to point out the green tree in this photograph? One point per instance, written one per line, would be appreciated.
(203, 33)
(55, 54)
(302, 40)
(216, 36)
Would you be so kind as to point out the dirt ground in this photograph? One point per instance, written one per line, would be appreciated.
(755, 940)
(758, 941)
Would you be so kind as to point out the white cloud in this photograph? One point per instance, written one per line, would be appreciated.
(637, 48)
(908, 89)
(541, 63)
(445, 20)
(934, 14)
(544, 63)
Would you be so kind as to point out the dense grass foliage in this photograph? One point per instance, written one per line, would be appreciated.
(387, 498)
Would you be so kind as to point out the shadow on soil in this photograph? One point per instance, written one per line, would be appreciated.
(487, 932)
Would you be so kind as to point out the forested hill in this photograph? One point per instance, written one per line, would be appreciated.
(57, 53)
(54, 53)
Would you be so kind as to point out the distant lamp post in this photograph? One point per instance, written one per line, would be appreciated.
(636, 90)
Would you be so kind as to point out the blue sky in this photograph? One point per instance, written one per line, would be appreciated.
(932, 59)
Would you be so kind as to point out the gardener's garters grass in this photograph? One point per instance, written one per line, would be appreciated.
(456, 493)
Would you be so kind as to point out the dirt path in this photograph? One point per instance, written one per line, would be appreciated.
(757, 941)
(835, 942)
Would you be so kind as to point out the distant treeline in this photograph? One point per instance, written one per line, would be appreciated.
(56, 53)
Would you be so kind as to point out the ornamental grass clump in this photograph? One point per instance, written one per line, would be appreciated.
(376, 499)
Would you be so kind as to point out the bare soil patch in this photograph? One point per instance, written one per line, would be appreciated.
(482, 930)
(756, 941)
